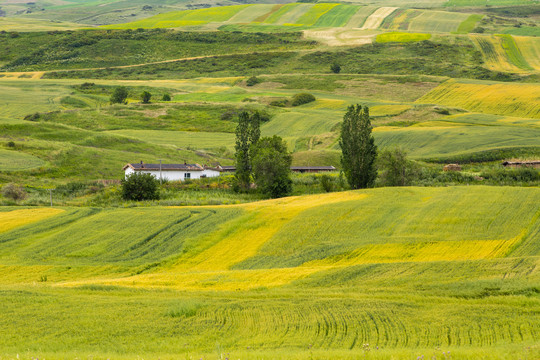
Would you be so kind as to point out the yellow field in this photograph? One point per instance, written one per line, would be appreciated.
(219, 267)
(520, 100)
(15, 218)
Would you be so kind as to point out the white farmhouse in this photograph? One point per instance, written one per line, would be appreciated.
(173, 172)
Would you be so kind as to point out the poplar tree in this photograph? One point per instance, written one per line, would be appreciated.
(248, 133)
(358, 149)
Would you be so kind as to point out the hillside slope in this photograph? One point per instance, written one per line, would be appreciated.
(279, 277)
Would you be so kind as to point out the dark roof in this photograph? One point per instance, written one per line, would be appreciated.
(313, 168)
(164, 167)
(293, 168)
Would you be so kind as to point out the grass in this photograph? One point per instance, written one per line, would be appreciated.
(377, 276)
(12, 160)
(181, 139)
(530, 50)
(401, 37)
(492, 98)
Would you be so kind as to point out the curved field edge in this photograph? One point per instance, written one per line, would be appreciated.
(272, 243)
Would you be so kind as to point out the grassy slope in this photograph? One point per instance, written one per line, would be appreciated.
(380, 275)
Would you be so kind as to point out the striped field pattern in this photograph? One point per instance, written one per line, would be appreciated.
(496, 98)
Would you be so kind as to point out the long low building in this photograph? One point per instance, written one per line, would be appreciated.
(300, 169)
(173, 172)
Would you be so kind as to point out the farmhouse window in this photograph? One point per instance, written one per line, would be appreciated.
(187, 176)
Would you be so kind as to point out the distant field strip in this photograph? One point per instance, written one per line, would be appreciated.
(278, 11)
(358, 19)
(15, 218)
(375, 20)
(251, 13)
(496, 98)
(314, 13)
(293, 14)
(184, 18)
(338, 16)
(437, 21)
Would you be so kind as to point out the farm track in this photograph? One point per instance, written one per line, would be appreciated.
(39, 74)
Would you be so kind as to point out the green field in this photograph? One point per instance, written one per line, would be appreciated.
(271, 280)
(444, 268)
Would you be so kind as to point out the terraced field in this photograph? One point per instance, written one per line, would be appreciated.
(271, 280)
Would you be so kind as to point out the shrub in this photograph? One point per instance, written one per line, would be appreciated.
(166, 97)
(146, 96)
(327, 183)
(253, 81)
(138, 186)
(302, 98)
(279, 103)
(396, 169)
(336, 68)
(11, 144)
(119, 95)
(14, 192)
(32, 117)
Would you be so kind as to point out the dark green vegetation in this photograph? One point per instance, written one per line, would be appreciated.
(271, 162)
(460, 59)
(358, 148)
(100, 48)
(138, 186)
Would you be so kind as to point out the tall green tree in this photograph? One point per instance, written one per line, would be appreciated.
(248, 133)
(358, 149)
(272, 166)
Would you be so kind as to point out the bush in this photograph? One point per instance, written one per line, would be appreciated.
(140, 186)
(166, 97)
(327, 183)
(279, 103)
(396, 169)
(302, 98)
(119, 95)
(14, 192)
(32, 117)
(336, 68)
(11, 144)
(253, 81)
(146, 96)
